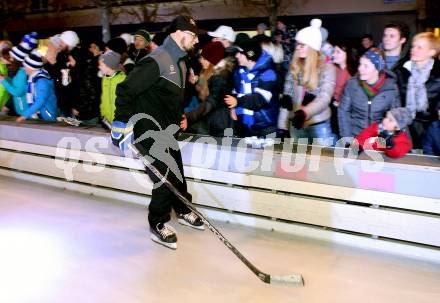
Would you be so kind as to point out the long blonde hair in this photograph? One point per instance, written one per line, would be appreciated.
(202, 84)
(308, 68)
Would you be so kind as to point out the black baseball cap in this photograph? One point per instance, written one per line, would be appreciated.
(184, 23)
(251, 49)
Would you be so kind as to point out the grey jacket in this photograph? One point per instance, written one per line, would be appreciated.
(318, 109)
(356, 112)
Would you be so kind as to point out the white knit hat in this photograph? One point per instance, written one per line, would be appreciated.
(311, 35)
(70, 38)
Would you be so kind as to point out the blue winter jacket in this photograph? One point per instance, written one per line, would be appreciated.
(45, 101)
(257, 93)
(16, 86)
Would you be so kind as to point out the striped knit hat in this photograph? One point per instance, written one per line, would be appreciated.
(27, 44)
(34, 60)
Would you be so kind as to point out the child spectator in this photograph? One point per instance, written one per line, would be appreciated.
(109, 67)
(40, 92)
(16, 83)
(389, 136)
(5, 47)
(367, 97)
(256, 104)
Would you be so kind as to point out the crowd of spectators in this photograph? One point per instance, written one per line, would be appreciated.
(303, 84)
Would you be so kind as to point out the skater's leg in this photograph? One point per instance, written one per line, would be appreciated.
(184, 215)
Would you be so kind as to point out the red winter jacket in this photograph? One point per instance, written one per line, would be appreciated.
(402, 144)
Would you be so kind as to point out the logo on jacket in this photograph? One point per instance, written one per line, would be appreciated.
(172, 69)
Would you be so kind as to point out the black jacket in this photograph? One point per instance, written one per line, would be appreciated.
(432, 89)
(89, 89)
(214, 108)
(67, 96)
(154, 87)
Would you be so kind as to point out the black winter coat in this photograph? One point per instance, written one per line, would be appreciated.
(89, 90)
(154, 87)
(432, 90)
(214, 108)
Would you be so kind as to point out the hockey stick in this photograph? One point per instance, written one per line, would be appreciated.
(294, 279)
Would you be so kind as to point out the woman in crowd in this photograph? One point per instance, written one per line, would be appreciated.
(308, 89)
(367, 97)
(213, 109)
(346, 62)
(419, 83)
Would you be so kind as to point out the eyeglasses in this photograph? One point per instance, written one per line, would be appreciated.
(191, 34)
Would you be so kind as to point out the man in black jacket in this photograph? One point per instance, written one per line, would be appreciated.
(151, 98)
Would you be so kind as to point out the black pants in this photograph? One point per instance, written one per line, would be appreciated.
(162, 199)
(417, 131)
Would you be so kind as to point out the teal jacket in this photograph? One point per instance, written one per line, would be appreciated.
(43, 97)
(16, 86)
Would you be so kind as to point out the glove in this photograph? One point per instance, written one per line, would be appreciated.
(247, 116)
(282, 134)
(390, 142)
(299, 117)
(388, 136)
(121, 135)
(308, 98)
(286, 102)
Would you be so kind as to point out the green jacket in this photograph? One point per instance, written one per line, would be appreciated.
(4, 95)
(108, 95)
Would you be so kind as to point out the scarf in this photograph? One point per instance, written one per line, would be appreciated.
(245, 88)
(372, 91)
(416, 96)
(246, 78)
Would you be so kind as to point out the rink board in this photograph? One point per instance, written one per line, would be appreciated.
(262, 197)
